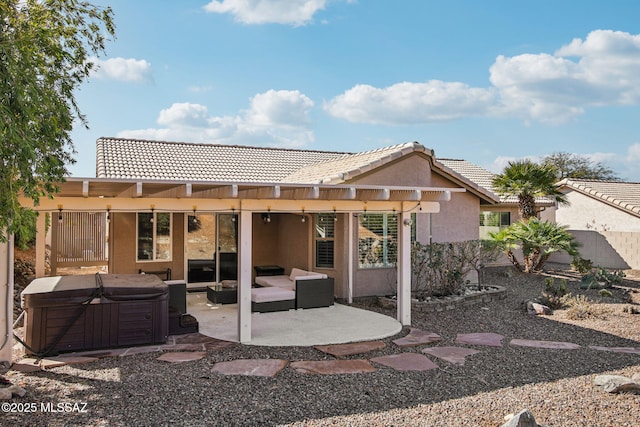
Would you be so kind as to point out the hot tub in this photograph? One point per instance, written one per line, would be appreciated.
(86, 312)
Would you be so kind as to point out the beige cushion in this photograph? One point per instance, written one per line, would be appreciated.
(296, 272)
(271, 294)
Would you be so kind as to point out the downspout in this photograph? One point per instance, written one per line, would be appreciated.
(7, 339)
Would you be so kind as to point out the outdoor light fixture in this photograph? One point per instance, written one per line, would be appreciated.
(59, 214)
(233, 214)
(266, 217)
(304, 219)
(108, 213)
(153, 208)
(420, 206)
(407, 221)
(335, 217)
(195, 215)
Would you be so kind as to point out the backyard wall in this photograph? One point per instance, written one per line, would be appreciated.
(609, 249)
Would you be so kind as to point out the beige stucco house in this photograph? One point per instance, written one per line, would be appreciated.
(605, 218)
(213, 212)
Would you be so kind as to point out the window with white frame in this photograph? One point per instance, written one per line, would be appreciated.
(324, 240)
(495, 219)
(377, 240)
(154, 236)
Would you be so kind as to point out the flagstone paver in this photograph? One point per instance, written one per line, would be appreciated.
(406, 362)
(451, 354)
(558, 345)
(182, 356)
(417, 337)
(30, 364)
(480, 338)
(631, 350)
(331, 367)
(340, 350)
(251, 367)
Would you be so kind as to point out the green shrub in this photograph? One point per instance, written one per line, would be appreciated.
(581, 265)
(555, 296)
(605, 293)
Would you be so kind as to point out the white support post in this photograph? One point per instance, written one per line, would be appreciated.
(244, 276)
(6, 300)
(350, 256)
(404, 268)
(41, 243)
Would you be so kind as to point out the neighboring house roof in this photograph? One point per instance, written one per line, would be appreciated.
(623, 195)
(119, 158)
(484, 178)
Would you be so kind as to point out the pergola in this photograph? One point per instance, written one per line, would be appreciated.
(244, 199)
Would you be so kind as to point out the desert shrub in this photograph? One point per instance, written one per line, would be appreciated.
(438, 269)
(605, 293)
(581, 308)
(581, 265)
(555, 296)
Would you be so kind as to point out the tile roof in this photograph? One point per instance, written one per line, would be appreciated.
(161, 160)
(119, 158)
(346, 166)
(625, 195)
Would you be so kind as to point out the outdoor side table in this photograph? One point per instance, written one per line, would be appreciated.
(221, 295)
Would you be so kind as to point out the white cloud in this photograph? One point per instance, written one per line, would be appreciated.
(123, 69)
(602, 70)
(410, 103)
(277, 118)
(292, 12)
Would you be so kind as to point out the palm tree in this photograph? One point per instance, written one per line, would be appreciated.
(538, 240)
(527, 180)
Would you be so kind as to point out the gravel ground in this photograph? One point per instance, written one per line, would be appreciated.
(556, 385)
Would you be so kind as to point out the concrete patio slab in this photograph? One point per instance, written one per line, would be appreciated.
(417, 337)
(337, 324)
(630, 350)
(182, 356)
(333, 367)
(480, 338)
(406, 362)
(251, 367)
(545, 344)
(341, 350)
(454, 355)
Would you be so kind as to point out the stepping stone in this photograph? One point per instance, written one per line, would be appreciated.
(480, 338)
(251, 367)
(406, 362)
(331, 367)
(142, 350)
(182, 356)
(558, 345)
(631, 350)
(33, 364)
(340, 350)
(451, 354)
(417, 337)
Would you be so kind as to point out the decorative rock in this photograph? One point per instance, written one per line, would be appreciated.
(330, 367)
(616, 384)
(417, 337)
(251, 367)
(17, 390)
(340, 350)
(182, 356)
(545, 344)
(538, 309)
(481, 338)
(5, 394)
(523, 419)
(406, 362)
(451, 354)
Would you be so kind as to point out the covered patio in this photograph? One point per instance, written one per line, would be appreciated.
(244, 200)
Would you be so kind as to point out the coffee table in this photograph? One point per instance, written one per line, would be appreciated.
(219, 295)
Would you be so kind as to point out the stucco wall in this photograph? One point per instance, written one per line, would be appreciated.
(609, 249)
(122, 251)
(586, 213)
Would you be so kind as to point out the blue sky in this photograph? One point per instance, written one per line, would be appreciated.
(486, 81)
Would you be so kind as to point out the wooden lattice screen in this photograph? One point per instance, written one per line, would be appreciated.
(79, 239)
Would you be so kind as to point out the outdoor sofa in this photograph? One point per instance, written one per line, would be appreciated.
(299, 289)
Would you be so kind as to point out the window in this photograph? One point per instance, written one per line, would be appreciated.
(324, 239)
(377, 240)
(154, 236)
(495, 219)
(492, 222)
